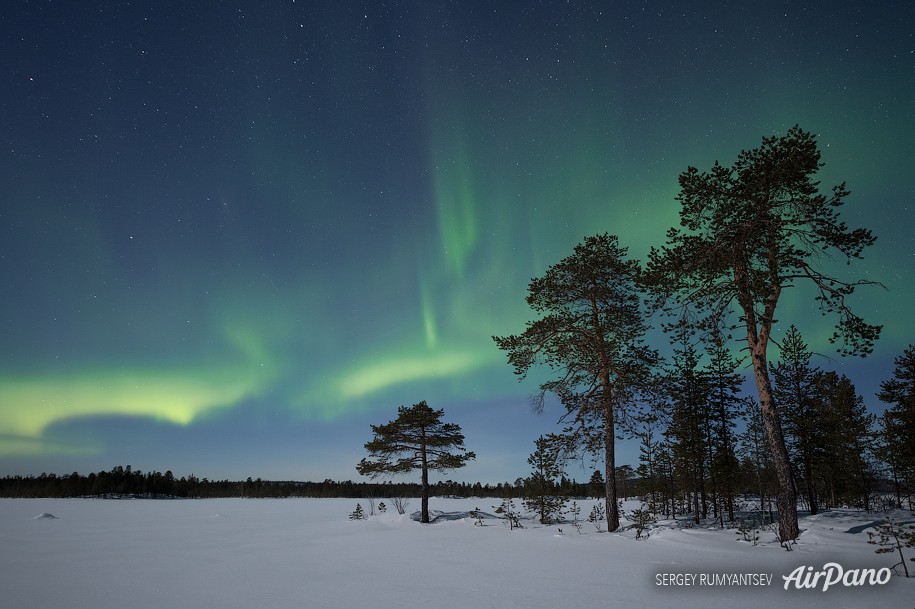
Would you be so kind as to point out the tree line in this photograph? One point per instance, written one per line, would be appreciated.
(126, 482)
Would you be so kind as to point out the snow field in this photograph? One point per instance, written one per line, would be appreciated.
(225, 553)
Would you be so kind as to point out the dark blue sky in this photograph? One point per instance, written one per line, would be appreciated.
(235, 235)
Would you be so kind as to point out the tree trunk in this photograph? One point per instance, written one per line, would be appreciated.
(613, 514)
(813, 497)
(786, 499)
(424, 514)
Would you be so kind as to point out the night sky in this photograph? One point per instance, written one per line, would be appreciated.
(233, 235)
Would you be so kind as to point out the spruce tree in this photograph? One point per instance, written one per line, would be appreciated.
(724, 406)
(647, 470)
(796, 396)
(898, 423)
(753, 449)
(540, 488)
(689, 393)
(847, 469)
(596, 484)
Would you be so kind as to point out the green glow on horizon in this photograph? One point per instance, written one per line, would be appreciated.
(20, 446)
(31, 405)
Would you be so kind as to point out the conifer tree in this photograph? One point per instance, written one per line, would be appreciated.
(753, 449)
(747, 233)
(898, 423)
(796, 397)
(689, 394)
(540, 488)
(591, 333)
(723, 408)
(596, 484)
(417, 439)
(358, 513)
(847, 469)
(648, 469)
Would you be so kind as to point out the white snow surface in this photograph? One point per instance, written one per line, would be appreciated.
(226, 553)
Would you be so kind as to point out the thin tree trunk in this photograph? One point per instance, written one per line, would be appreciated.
(813, 497)
(424, 514)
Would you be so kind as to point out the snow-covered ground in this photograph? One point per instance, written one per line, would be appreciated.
(225, 553)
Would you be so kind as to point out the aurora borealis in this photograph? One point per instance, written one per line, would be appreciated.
(234, 235)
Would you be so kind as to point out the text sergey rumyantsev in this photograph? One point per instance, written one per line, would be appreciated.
(713, 579)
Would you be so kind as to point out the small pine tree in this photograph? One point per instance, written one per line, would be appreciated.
(358, 513)
(893, 537)
(597, 517)
(642, 518)
(477, 516)
(748, 529)
(575, 513)
(509, 513)
(382, 508)
(540, 488)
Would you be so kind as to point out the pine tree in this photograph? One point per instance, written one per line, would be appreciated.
(509, 513)
(795, 393)
(723, 408)
(596, 484)
(753, 448)
(893, 536)
(898, 424)
(689, 389)
(597, 517)
(653, 470)
(845, 467)
(417, 439)
(575, 513)
(642, 518)
(540, 487)
(592, 333)
(747, 233)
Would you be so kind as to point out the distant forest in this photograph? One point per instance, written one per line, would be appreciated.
(124, 482)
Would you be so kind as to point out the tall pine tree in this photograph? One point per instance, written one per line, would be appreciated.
(747, 232)
(590, 333)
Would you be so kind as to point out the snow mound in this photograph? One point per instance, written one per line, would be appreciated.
(45, 516)
(439, 516)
